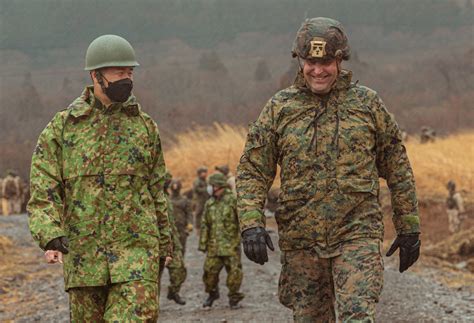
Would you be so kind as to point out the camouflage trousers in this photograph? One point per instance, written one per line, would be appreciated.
(454, 221)
(177, 272)
(346, 286)
(233, 267)
(198, 215)
(133, 301)
(11, 206)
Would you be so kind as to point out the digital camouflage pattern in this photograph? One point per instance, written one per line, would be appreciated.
(314, 30)
(200, 197)
(176, 268)
(310, 285)
(182, 211)
(233, 267)
(332, 151)
(220, 239)
(133, 301)
(220, 235)
(97, 177)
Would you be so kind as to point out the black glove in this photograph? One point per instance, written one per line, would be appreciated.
(409, 245)
(255, 241)
(59, 244)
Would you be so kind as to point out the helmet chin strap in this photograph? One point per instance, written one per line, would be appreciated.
(100, 79)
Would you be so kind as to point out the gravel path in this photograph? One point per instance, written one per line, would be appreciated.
(34, 291)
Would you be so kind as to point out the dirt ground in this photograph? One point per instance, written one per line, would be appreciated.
(434, 290)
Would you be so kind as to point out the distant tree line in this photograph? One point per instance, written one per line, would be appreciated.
(30, 26)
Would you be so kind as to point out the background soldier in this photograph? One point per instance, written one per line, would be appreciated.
(220, 239)
(200, 195)
(454, 207)
(176, 268)
(182, 212)
(427, 135)
(11, 193)
(103, 216)
(224, 169)
(333, 140)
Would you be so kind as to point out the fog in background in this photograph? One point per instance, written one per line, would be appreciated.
(204, 61)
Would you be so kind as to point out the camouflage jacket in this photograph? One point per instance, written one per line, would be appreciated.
(200, 191)
(174, 230)
(97, 177)
(339, 143)
(220, 235)
(182, 213)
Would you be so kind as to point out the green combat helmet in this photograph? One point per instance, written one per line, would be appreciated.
(321, 38)
(108, 51)
(218, 180)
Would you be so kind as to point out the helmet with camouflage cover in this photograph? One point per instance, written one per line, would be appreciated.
(218, 180)
(224, 169)
(108, 51)
(321, 38)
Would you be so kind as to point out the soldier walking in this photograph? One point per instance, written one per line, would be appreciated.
(200, 195)
(333, 139)
(11, 193)
(176, 268)
(454, 207)
(220, 240)
(182, 212)
(97, 201)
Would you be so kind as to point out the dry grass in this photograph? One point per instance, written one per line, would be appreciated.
(434, 164)
(208, 146)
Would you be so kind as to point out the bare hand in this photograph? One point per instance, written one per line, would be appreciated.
(53, 256)
(168, 260)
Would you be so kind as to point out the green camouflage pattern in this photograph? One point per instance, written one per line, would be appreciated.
(200, 196)
(233, 267)
(182, 212)
(134, 301)
(218, 180)
(97, 177)
(332, 151)
(220, 235)
(176, 267)
(311, 285)
(321, 28)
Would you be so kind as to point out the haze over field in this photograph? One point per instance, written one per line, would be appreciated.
(205, 61)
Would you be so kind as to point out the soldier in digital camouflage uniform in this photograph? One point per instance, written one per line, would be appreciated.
(97, 200)
(176, 268)
(182, 212)
(220, 239)
(333, 139)
(200, 195)
(11, 193)
(454, 207)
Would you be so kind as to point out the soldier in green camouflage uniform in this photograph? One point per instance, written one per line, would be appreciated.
(200, 196)
(182, 212)
(220, 239)
(333, 139)
(97, 198)
(176, 268)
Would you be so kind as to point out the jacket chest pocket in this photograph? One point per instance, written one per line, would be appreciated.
(356, 131)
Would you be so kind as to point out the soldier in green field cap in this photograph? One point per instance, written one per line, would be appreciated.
(97, 201)
(333, 139)
(220, 240)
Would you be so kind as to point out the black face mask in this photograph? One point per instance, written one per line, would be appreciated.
(119, 91)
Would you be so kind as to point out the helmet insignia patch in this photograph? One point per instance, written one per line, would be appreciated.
(318, 48)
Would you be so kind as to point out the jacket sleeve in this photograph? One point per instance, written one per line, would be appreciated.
(393, 165)
(256, 170)
(156, 187)
(204, 235)
(45, 206)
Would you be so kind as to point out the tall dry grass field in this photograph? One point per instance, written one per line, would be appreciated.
(434, 164)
